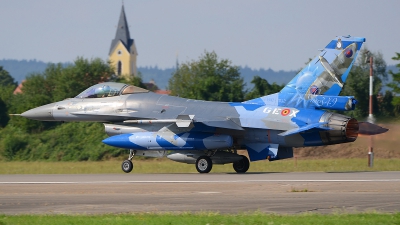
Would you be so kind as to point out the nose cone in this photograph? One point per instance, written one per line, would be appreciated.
(42, 113)
(121, 141)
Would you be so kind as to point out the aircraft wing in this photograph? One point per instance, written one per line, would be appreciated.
(223, 123)
(97, 113)
(187, 120)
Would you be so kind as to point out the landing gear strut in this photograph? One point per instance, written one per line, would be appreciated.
(127, 165)
(203, 164)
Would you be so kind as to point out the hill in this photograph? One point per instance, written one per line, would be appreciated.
(161, 76)
(20, 69)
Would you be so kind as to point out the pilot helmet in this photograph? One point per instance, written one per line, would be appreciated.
(102, 90)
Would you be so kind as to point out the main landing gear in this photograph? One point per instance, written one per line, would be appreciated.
(127, 165)
(242, 165)
(204, 164)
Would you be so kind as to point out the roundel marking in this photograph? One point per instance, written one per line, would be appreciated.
(285, 112)
(349, 53)
(314, 90)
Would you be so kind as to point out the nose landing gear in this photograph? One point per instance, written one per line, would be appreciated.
(127, 165)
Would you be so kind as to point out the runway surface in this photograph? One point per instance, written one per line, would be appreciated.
(288, 193)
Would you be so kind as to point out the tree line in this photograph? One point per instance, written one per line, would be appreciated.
(208, 78)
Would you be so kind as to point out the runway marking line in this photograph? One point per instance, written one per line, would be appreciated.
(184, 181)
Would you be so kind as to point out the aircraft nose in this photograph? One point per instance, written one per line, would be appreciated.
(119, 141)
(42, 113)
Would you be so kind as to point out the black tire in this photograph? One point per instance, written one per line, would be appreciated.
(203, 164)
(127, 166)
(242, 165)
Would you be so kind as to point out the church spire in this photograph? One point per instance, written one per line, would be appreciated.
(123, 52)
(122, 33)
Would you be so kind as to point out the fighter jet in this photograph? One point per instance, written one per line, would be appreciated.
(205, 133)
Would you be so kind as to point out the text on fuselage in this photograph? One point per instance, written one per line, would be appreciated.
(281, 111)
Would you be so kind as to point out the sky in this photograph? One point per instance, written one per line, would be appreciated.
(276, 34)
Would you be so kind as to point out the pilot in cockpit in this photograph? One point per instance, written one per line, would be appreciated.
(97, 92)
(103, 91)
(109, 89)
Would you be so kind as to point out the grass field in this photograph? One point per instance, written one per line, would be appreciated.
(167, 166)
(204, 218)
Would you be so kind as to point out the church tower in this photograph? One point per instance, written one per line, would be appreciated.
(123, 51)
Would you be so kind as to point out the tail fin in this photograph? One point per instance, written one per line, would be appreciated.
(324, 75)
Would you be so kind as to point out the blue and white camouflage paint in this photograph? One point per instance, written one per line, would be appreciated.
(170, 141)
(203, 132)
(294, 110)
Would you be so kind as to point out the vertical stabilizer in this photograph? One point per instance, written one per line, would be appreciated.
(324, 75)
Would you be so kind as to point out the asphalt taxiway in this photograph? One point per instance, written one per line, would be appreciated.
(289, 193)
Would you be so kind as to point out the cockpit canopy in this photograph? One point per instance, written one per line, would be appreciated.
(110, 89)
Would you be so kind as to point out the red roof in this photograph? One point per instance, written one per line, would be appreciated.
(18, 89)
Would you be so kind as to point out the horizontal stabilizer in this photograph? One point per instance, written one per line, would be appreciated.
(366, 128)
(304, 128)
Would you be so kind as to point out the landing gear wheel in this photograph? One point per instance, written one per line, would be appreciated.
(242, 165)
(127, 166)
(203, 164)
